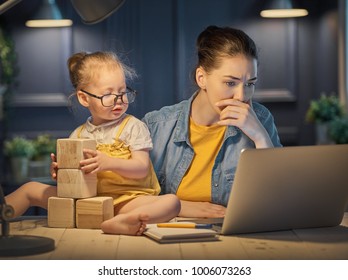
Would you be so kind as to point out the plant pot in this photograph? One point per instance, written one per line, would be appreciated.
(40, 168)
(322, 135)
(20, 168)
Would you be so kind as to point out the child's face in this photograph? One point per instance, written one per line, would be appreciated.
(234, 79)
(107, 81)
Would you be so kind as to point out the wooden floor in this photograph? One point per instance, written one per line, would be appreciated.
(81, 244)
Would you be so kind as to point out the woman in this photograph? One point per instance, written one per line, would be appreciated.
(197, 142)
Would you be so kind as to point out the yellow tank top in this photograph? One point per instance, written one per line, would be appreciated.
(117, 186)
(206, 142)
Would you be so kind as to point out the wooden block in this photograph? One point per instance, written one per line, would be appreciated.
(74, 183)
(61, 212)
(70, 151)
(91, 212)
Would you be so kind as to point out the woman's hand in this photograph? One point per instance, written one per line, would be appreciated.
(194, 209)
(53, 167)
(242, 115)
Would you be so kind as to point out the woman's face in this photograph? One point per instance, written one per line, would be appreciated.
(108, 80)
(234, 79)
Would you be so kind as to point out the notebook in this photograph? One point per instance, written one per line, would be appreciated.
(287, 188)
(175, 235)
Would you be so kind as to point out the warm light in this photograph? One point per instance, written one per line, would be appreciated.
(284, 13)
(49, 23)
(48, 15)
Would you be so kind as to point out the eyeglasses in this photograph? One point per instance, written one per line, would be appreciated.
(109, 100)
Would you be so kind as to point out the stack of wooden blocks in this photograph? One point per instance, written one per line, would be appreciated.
(76, 204)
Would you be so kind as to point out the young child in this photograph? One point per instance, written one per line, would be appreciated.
(121, 161)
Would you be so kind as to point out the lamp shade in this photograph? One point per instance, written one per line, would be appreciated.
(8, 5)
(48, 15)
(92, 11)
(282, 9)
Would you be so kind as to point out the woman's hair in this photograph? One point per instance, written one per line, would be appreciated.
(84, 67)
(216, 43)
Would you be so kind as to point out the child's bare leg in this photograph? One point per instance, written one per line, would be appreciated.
(131, 218)
(160, 208)
(30, 194)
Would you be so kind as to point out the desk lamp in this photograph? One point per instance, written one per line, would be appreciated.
(90, 11)
(19, 245)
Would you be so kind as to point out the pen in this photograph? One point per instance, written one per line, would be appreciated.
(184, 225)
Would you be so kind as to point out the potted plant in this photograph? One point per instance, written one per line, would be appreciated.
(8, 70)
(321, 112)
(19, 150)
(338, 130)
(44, 145)
(8, 73)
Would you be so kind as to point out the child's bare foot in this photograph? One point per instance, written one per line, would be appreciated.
(129, 224)
(141, 229)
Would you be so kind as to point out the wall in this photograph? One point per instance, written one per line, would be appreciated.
(298, 59)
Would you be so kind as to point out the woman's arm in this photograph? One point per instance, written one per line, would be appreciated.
(136, 167)
(194, 209)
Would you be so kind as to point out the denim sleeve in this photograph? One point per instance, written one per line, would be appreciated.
(267, 120)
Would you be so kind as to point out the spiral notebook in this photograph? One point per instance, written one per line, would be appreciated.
(178, 235)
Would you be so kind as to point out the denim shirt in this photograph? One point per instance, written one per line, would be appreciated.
(172, 153)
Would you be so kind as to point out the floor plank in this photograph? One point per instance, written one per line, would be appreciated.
(83, 244)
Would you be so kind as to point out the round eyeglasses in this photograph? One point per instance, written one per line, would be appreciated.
(110, 100)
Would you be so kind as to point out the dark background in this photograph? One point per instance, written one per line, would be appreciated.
(298, 58)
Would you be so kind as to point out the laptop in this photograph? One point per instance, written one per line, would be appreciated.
(288, 188)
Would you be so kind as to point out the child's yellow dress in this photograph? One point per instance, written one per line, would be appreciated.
(121, 188)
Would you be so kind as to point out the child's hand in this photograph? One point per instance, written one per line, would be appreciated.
(53, 167)
(94, 161)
